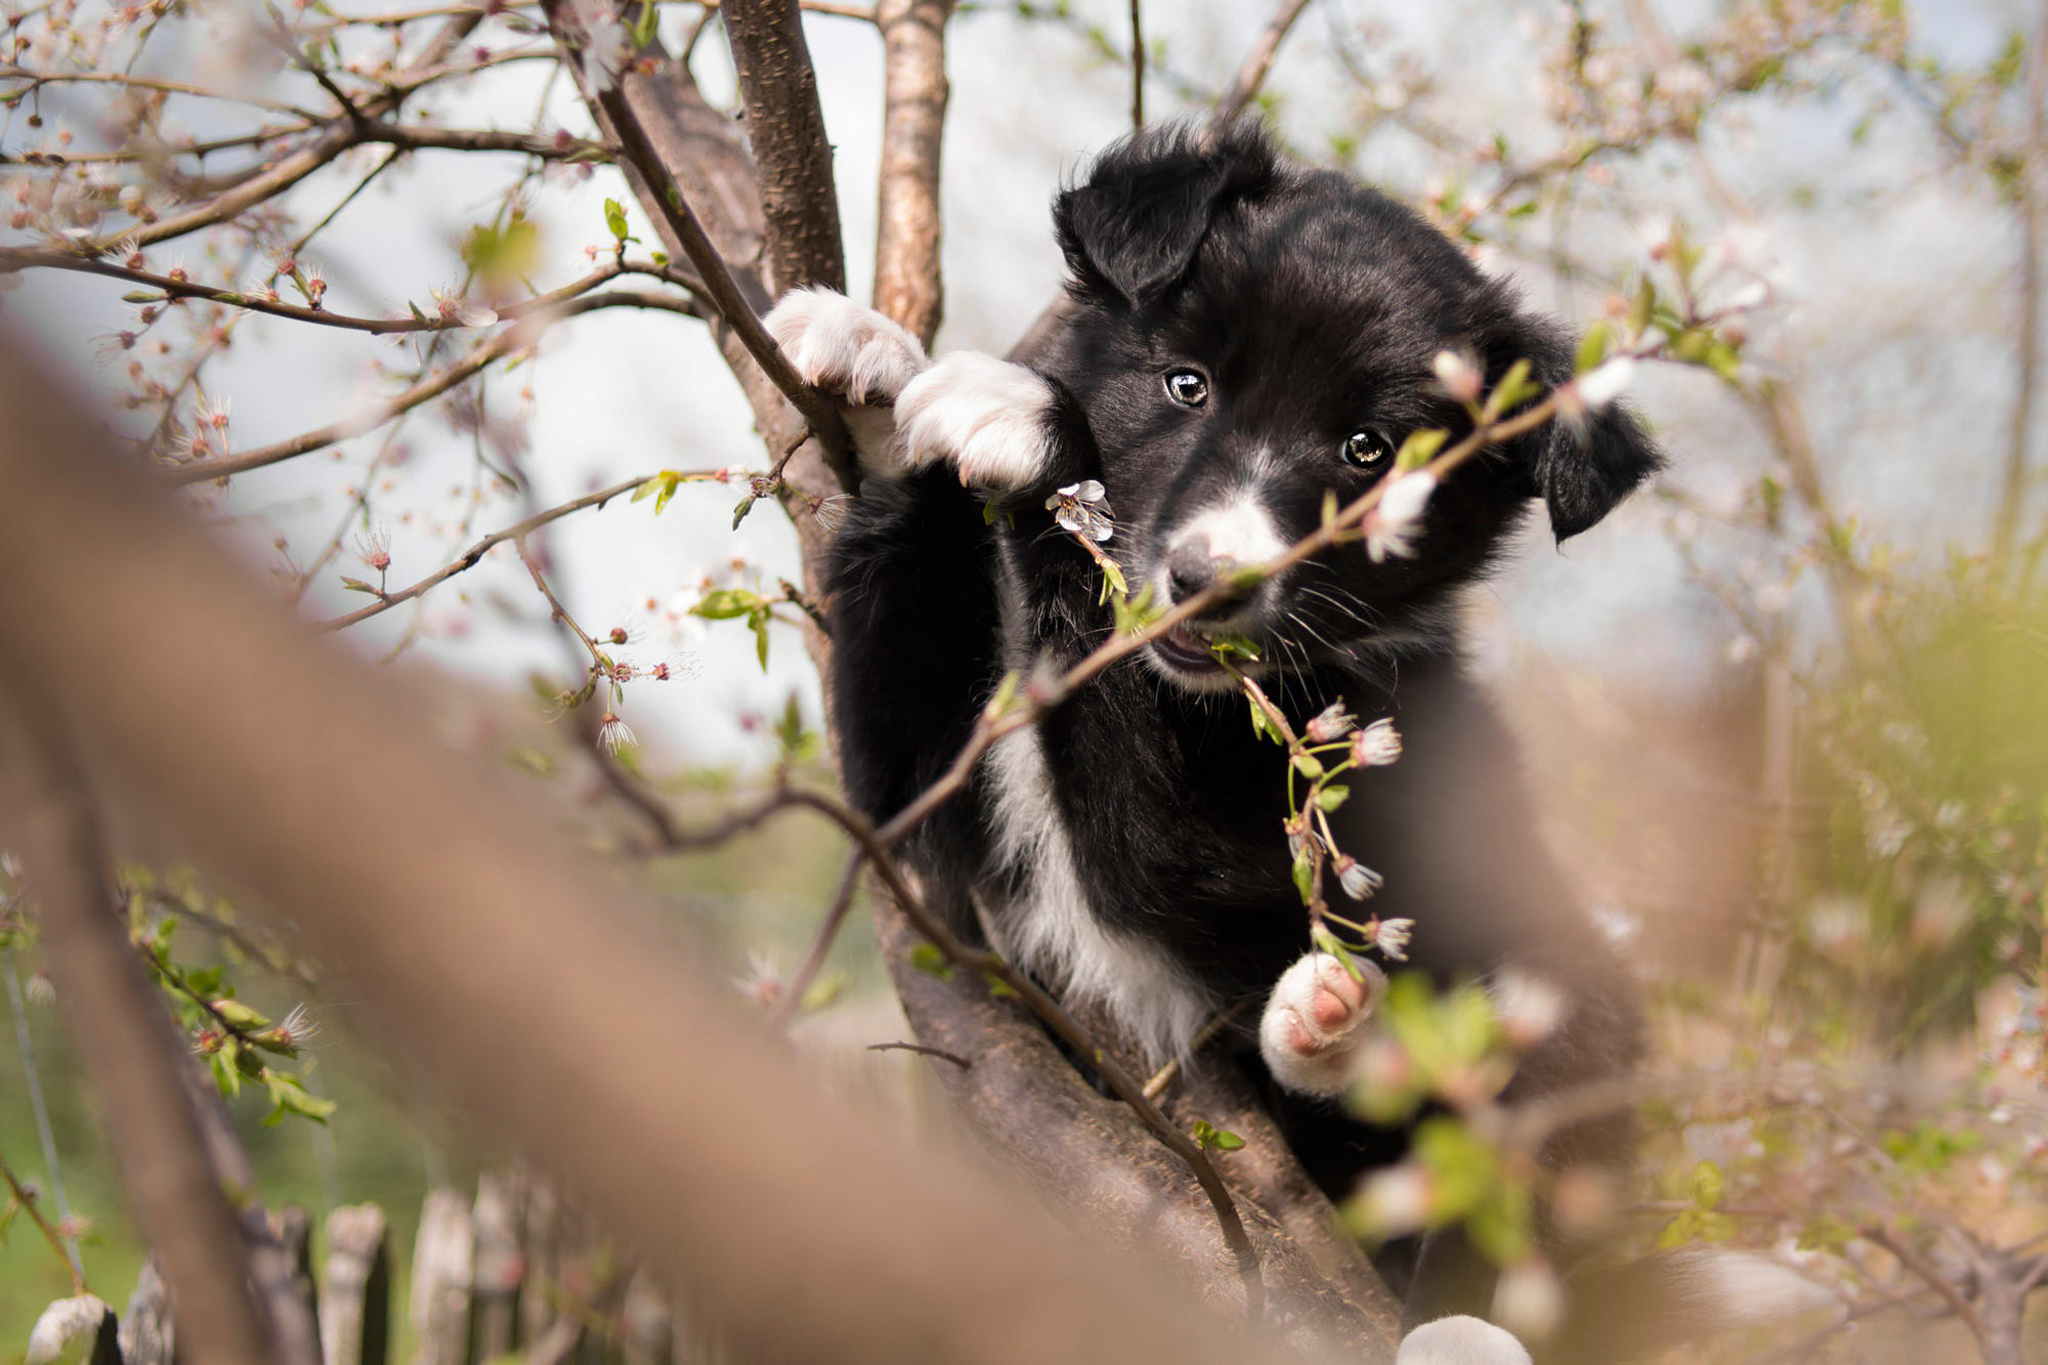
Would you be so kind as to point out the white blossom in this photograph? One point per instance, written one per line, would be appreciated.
(1391, 938)
(1083, 509)
(1459, 376)
(1377, 745)
(1333, 722)
(1605, 382)
(1358, 880)
(1394, 526)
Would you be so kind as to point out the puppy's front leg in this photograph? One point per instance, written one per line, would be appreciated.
(1315, 1021)
(855, 352)
(996, 423)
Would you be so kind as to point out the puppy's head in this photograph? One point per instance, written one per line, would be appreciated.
(1252, 336)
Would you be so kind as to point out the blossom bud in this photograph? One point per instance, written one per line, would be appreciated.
(1377, 745)
(1333, 722)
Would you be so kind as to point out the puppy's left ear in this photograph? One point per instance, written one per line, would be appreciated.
(1588, 465)
(1132, 230)
(1582, 467)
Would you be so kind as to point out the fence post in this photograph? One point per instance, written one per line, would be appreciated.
(146, 1336)
(500, 1267)
(442, 1258)
(355, 1299)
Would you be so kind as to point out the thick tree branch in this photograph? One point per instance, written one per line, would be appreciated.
(792, 155)
(124, 1037)
(748, 1214)
(649, 130)
(908, 285)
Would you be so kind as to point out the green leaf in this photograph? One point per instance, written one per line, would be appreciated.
(615, 212)
(1642, 307)
(1305, 877)
(758, 623)
(725, 604)
(358, 585)
(1707, 1186)
(927, 958)
(668, 490)
(1005, 696)
(1593, 347)
(643, 27)
(1419, 448)
(1329, 943)
(822, 992)
(1134, 614)
(1514, 389)
(998, 988)
(739, 513)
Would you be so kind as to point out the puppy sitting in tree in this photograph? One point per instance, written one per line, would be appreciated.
(1246, 340)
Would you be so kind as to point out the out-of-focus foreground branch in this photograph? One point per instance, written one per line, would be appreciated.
(812, 1229)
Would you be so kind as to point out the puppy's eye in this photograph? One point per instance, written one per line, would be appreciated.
(1187, 388)
(1366, 449)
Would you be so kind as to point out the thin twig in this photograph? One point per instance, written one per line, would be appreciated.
(512, 340)
(66, 1249)
(1252, 74)
(923, 1051)
(475, 553)
(32, 1075)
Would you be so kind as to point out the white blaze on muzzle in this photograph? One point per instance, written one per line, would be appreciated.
(1236, 530)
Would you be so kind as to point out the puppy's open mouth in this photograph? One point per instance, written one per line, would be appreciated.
(1187, 651)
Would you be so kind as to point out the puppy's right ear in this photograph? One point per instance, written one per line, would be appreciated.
(1132, 230)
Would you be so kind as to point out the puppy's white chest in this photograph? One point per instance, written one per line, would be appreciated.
(1057, 935)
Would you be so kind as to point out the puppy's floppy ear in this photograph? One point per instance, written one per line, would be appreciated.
(1132, 230)
(1582, 467)
(1588, 466)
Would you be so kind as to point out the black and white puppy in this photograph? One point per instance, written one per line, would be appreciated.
(1244, 337)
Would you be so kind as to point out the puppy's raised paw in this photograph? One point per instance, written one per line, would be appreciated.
(1315, 1020)
(1461, 1341)
(844, 347)
(990, 419)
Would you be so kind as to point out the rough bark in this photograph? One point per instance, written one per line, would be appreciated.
(1107, 1171)
(908, 283)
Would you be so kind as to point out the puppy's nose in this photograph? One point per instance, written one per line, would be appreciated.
(1190, 568)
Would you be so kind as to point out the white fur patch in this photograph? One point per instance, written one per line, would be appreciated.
(984, 415)
(1055, 934)
(1239, 530)
(846, 348)
(1461, 1341)
(1747, 1288)
(1307, 1056)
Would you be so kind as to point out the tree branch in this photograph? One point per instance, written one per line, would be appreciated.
(792, 156)
(908, 283)
(1252, 74)
(124, 1038)
(513, 339)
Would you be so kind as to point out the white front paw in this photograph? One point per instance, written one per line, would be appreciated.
(1314, 1022)
(1461, 1341)
(989, 418)
(844, 347)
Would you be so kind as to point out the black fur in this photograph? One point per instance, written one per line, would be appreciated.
(1315, 308)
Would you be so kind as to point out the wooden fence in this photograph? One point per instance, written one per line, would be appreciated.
(511, 1275)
